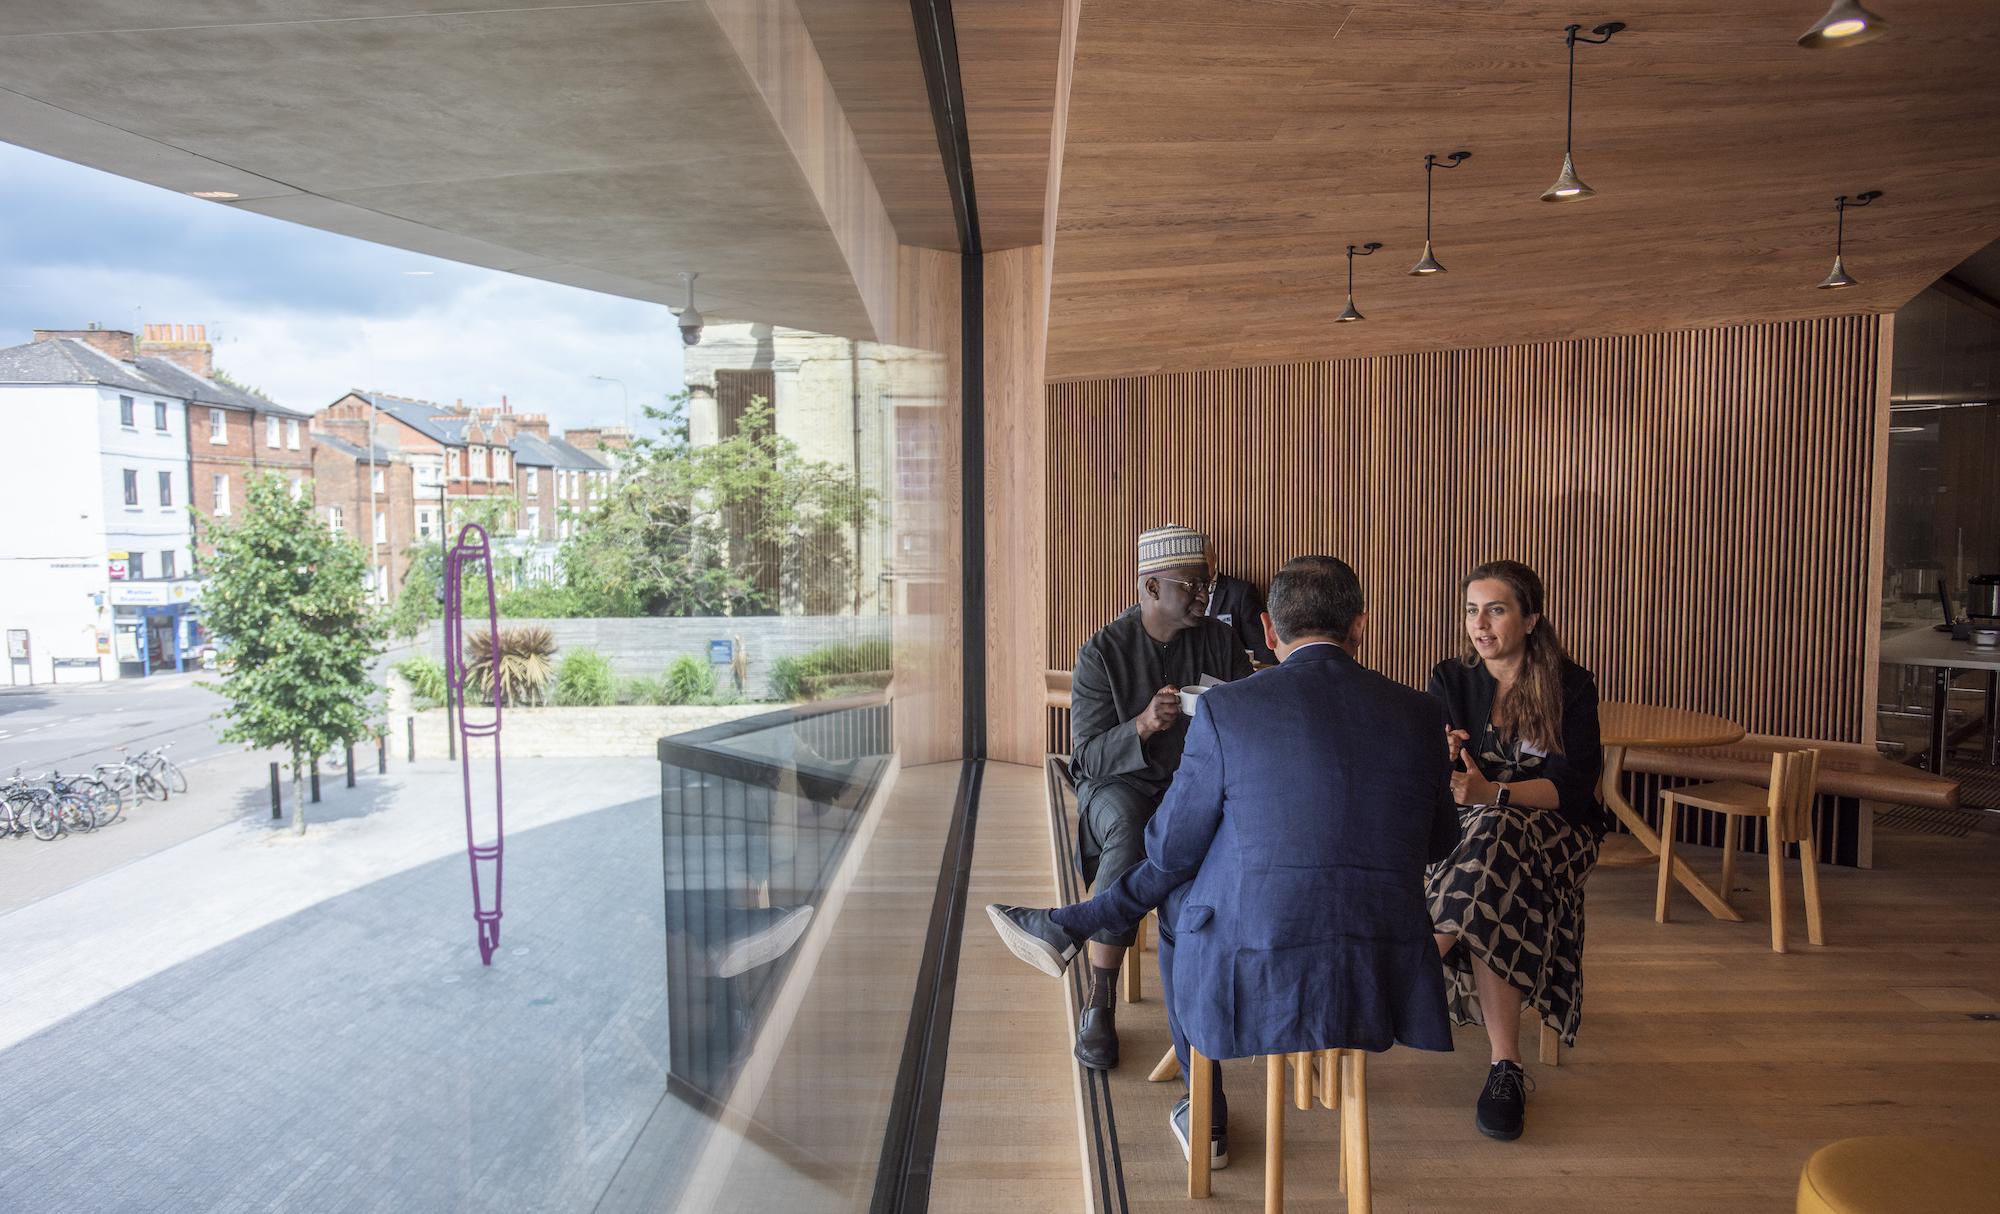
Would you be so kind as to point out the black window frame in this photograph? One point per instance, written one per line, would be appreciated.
(166, 483)
(128, 412)
(131, 486)
(160, 425)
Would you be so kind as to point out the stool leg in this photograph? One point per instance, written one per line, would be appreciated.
(1201, 1103)
(1550, 1046)
(1168, 1067)
(1302, 1088)
(1730, 825)
(1134, 962)
(1274, 1133)
(1337, 1060)
(1777, 858)
(1329, 1079)
(1666, 887)
(1354, 1133)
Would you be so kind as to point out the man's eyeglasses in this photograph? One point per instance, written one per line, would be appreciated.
(1196, 590)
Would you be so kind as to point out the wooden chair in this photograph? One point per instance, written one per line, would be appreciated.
(1337, 1078)
(1786, 807)
(1134, 956)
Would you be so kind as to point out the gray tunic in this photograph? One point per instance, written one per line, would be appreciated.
(1117, 671)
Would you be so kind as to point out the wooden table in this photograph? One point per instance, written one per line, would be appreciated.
(1621, 726)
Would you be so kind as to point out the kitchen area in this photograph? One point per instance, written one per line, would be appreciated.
(1939, 702)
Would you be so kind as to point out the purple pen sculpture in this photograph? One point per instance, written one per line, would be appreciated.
(474, 548)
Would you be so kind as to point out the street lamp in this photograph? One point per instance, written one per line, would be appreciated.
(624, 397)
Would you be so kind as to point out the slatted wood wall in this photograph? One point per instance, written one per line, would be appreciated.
(1698, 503)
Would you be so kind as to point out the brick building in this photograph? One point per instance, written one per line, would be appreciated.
(233, 434)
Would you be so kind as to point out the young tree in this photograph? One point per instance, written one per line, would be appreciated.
(287, 599)
(743, 526)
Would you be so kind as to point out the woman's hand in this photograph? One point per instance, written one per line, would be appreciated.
(1469, 785)
(1455, 740)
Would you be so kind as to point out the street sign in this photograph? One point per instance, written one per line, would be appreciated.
(17, 644)
(721, 653)
(117, 566)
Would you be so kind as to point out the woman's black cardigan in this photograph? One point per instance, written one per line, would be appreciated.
(1467, 692)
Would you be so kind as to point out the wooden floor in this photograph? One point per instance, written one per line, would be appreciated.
(1707, 1068)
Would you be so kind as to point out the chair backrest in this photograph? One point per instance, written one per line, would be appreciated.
(1794, 775)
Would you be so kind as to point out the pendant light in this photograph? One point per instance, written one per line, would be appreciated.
(1569, 187)
(1845, 24)
(1351, 313)
(1428, 264)
(1839, 277)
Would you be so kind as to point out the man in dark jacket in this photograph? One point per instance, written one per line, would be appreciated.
(1126, 730)
(1288, 857)
(1236, 603)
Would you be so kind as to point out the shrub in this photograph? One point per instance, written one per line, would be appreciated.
(426, 679)
(642, 689)
(585, 681)
(689, 680)
(543, 603)
(819, 673)
(526, 663)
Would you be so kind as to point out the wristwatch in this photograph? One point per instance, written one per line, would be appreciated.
(1501, 794)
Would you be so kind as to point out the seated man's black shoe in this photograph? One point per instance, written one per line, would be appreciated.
(1097, 1039)
(1030, 934)
(1503, 1104)
(1218, 1142)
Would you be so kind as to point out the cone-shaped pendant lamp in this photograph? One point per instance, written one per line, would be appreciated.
(1839, 277)
(1569, 187)
(1845, 24)
(1350, 312)
(1428, 263)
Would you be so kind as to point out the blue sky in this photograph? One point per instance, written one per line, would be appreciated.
(306, 315)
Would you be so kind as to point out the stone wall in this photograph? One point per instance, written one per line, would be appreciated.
(648, 645)
(573, 733)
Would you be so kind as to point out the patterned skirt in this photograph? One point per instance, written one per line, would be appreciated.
(1512, 892)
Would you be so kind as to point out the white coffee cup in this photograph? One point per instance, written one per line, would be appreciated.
(1189, 696)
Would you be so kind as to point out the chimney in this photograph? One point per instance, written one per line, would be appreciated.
(504, 406)
(117, 343)
(533, 423)
(585, 439)
(186, 346)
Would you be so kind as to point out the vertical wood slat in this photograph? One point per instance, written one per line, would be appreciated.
(1700, 503)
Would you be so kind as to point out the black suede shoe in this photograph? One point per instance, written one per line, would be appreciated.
(1218, 1141)
(1097, 1039)
(1032, 935)
(1503, 1104)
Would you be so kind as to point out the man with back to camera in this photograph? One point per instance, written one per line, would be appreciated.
(1126, 732)
(1288, 858)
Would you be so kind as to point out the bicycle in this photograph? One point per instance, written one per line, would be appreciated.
(132, 777)
(163, 769)
(49, 807)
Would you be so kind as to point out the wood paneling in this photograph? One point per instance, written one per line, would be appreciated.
(1697, 503)
(1220, 157)
(1016, 504)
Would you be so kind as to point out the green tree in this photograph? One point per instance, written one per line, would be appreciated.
(288, 600)
(742, 526)
(418, 602)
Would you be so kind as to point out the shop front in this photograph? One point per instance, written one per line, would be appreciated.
(156, 626)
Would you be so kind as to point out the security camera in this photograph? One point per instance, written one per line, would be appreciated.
(690, 320)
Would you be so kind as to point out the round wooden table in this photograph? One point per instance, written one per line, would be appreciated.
(1621, 726)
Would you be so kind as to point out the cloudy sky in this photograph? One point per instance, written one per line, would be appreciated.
(305, 315)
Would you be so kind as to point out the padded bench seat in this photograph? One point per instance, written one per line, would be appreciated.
(1845, 770)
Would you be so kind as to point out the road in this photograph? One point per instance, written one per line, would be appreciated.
(70, 727)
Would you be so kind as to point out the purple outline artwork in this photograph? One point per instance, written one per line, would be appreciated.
(469, 551)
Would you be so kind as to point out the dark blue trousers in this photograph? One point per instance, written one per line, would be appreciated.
(1118, 908)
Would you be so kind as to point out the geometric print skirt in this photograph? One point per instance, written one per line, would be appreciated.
(1512, 892)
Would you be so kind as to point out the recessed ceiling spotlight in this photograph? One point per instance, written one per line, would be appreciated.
(215, 195)
(1845, 24)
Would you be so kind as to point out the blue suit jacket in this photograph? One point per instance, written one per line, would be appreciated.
(1310, 799)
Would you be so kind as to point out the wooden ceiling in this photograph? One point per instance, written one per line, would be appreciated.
(1220, 157)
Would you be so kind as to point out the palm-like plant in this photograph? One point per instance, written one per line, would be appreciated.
(526, 664)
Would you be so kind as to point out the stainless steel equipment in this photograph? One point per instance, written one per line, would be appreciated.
(1920, 579)
(1982, 597)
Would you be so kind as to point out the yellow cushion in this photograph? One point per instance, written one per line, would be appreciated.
(1900, 1176)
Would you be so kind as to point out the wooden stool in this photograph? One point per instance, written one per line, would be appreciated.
(1338, 1078)
(1133, 957)
(1899, 1176)
(1786, 806)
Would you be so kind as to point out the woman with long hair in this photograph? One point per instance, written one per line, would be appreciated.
(1507, 906)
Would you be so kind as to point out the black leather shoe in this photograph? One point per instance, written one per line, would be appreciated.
(1218, 1142)
(1503, 1103)
(1031, 934)
(1097, 1039)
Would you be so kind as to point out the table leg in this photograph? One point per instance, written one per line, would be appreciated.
(1993, 718)
(1940, 700)
(1610, 786)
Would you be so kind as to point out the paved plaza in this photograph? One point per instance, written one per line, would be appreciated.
(252, 1021)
